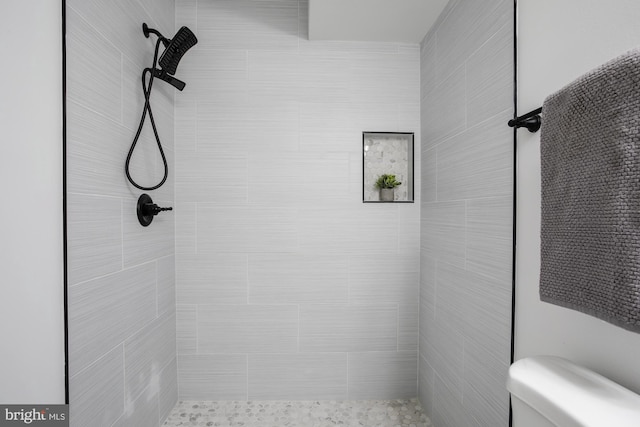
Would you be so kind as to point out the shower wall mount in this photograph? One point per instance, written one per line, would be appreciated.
(146, 210)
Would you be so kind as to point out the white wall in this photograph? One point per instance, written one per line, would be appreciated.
(31, 257)
(373, 20)
(557, 42)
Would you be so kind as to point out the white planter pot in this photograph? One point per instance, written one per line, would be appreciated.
(387, 194)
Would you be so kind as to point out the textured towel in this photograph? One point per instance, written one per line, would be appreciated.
(590, 150)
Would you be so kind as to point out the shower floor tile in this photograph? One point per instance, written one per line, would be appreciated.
(367, 413)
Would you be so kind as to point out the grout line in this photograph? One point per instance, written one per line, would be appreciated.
(398, 225)
(298, 328)
(195, 227)
(466, 93)
(97, 195)
(397, 327)
(246, 67)
(436, 167)
(157, 289)
(102, 356)
(124, 379)
(247, 395)
(122, 89)
(466, 232)
(349, 264)
(348, 365)
(133, 267)
(197, 330)
(298, 27)
(248, 279)
(160, 421)
(435, 288)
(122, 234)
(195, 125)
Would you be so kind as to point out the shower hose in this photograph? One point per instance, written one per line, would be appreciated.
(147, 107)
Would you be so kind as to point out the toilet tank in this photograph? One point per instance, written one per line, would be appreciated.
(551, 391)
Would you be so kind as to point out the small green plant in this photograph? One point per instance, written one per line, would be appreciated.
(387, 181)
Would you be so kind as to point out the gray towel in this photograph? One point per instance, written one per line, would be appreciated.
(590, 150)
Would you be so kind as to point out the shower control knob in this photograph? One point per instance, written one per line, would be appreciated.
(146, 210)
(153, 209)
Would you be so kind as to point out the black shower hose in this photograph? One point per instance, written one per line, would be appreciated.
(147, 107)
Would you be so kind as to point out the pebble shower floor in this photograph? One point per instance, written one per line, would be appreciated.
(366, 413)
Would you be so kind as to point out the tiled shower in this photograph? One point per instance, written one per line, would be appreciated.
(270, 279)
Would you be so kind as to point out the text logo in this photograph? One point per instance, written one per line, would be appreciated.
(37, 415)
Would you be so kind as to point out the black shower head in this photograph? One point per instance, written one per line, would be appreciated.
(178, 46)
(175, 48)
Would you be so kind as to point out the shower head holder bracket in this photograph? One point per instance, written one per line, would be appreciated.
(148, 31)
(164, 76)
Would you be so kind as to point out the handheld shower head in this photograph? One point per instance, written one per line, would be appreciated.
(163, 75)
(178, 46)
(173, 51)
(174, 48)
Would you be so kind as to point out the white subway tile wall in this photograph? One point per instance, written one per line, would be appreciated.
(280, 282)
(288, 286)
(122, 305)
(466, 214)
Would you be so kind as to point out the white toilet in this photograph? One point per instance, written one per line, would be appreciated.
(549, 391)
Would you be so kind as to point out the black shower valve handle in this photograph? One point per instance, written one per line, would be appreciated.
(146, 210)
(153, 209)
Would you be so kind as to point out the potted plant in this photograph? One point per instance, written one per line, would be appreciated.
(386, 183)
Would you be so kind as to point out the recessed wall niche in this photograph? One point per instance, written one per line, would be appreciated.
(387, 167)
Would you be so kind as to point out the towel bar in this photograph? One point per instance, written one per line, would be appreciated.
(532, 120)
